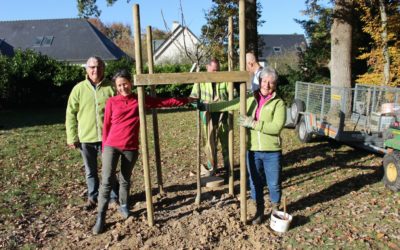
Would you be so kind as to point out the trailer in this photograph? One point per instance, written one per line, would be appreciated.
(365, 116)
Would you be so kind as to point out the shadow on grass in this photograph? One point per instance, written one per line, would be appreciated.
(331, 163)
(338, 189)
(29, 117)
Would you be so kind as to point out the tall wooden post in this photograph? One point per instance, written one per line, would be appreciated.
(242, 60)
(154, 112)
(230, 97)
(142, 116)
(198, 173)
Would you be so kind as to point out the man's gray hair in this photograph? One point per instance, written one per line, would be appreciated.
(96, 58)
(268, 71)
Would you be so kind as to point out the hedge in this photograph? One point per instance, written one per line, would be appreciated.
(33, 79)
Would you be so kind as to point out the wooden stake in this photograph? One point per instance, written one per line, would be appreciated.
(190, 78)
(243, 177)
(198, 177)
(285, 216)
(154, 113)
(142, 116)
(230, 116)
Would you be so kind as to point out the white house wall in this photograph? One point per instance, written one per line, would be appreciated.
(174, 50)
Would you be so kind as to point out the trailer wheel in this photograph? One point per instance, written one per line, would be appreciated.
(302, 133)
(297, 107)
(391, 166)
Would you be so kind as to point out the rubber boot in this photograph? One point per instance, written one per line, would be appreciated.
(124, 211)
(98, 228)
(226, 174)
(275, 207)
(259, 216)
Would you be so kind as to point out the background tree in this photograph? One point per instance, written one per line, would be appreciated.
(215, 31)
(340, 64)
(341, 43)
(314, 62)
(252, 15)
(119, 33)
(378, 56)
(89, 8)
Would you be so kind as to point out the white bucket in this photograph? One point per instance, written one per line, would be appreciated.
(278, 224)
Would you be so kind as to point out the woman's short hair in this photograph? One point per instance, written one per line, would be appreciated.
(268, 71)
(123, 73)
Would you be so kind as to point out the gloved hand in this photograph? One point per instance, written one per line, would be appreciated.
(247, 121)
(200, 105)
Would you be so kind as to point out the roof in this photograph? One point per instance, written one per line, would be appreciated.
(5, 48)
(157, 43)
(283, 41)
(163, 45)
(72, 40)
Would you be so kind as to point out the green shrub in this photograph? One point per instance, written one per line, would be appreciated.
(4, 79)
(33, 79)
(176, 90)
(113, 66)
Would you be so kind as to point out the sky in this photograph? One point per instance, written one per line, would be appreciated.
(278, 14)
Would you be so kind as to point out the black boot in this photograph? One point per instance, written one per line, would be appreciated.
(98, 228)
(259, 216)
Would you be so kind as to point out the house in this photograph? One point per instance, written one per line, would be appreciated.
(73, 40)
(175, 47)
(274, 45)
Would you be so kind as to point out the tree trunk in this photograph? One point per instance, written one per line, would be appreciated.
(251, 26)
(340, 65)
(385, 51)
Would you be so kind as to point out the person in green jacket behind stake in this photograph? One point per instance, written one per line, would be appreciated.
(215, 125)
(84, 122)
(265, 119)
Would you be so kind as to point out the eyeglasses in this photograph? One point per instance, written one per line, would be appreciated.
(93, 67)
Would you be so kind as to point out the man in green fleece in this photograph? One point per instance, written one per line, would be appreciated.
(84, 122)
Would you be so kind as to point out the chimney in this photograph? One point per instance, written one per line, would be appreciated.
(175, 24)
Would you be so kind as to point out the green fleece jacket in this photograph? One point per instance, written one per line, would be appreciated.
(204, 91)
(265, 136)
(85, 111)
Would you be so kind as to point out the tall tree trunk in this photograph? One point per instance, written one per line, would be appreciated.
(385, 51)
(340, 64)
(251, 26)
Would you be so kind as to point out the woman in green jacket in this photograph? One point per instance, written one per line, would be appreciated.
(265, 119)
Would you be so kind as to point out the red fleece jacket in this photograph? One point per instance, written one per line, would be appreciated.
(121, 119)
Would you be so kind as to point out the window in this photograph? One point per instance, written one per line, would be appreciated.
(47, 41)
(38, 41)
(277, 49)
(44, 41)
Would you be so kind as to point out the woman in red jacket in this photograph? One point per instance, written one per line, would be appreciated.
(121, 140)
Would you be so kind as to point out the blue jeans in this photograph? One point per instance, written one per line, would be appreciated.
(89, 152)
(110, 160)
(265, 166)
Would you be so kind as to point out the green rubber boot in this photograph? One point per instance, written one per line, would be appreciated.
(98, 228)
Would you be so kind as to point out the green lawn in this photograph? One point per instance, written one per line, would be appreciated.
(333, 191)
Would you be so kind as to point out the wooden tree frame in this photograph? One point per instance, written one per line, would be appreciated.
(142, 80)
